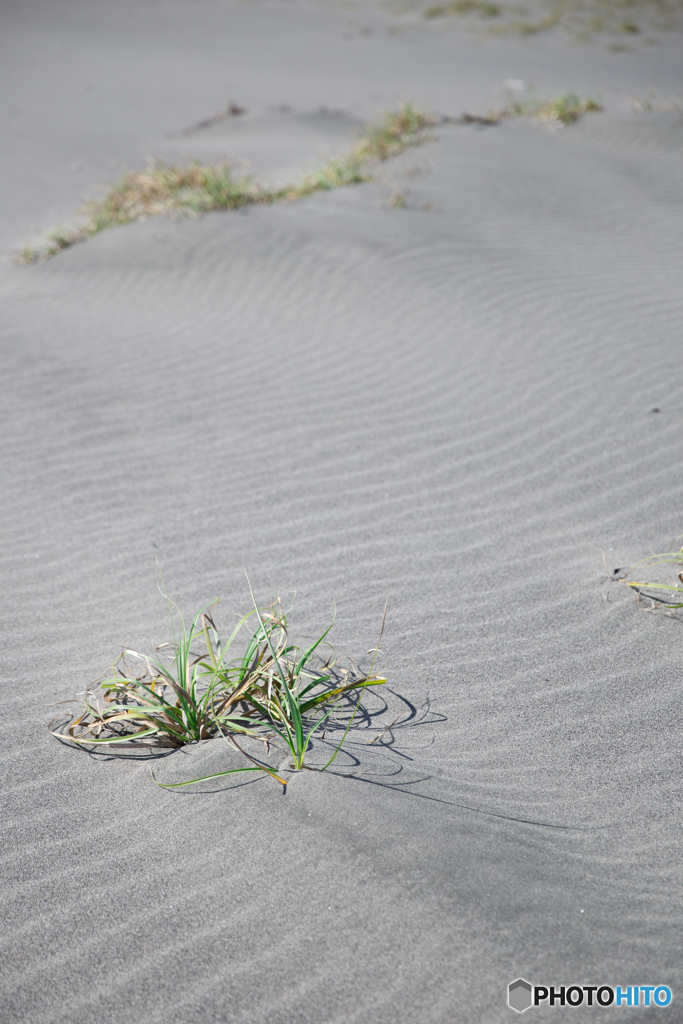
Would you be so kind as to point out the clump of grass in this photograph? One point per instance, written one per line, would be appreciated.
(198, 188)
(566, 109)
(392, 134)
(169, 705)
(668, 594)
(202, 689)
(158, 189)
(289, 697)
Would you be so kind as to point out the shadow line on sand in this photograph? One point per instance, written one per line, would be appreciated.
(465, 807)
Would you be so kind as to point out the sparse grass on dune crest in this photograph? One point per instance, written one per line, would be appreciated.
(196, 687)
(195, 189)
(566, 109)
(160, 188)
(201, 188)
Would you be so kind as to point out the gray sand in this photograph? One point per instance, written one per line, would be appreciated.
(451, 403)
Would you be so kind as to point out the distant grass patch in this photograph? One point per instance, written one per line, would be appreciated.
(200, 188)
(655, 585)
(564, 110)
(653, 102)
(581, 20)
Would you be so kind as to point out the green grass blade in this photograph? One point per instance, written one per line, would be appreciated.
(319, 681)
(108, 740)
(320, 721)
(322, 698)
(311, 650)
(206, 778)
(655, 586)
(235, 631)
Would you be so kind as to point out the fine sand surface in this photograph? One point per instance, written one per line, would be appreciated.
(451, 402)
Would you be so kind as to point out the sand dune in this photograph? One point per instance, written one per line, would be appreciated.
(450, 402)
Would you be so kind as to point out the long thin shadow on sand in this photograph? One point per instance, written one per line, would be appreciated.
(398, 788)
(384, 760)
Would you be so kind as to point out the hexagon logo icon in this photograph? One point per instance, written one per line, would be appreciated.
(519, 995)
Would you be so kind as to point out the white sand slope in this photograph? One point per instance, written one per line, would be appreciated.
(451, 402)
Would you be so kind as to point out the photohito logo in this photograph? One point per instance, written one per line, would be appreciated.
(522, 994)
